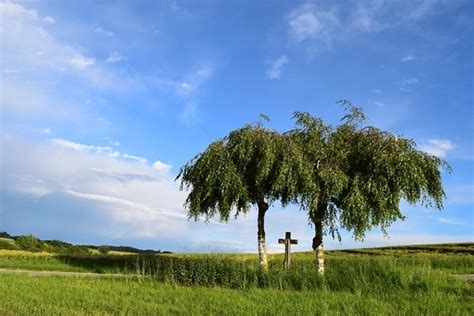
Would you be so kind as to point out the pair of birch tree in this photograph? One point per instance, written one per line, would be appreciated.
(349, 176)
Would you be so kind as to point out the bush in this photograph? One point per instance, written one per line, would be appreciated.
(7, 245)
(30, 243)
(5, 235)
(104, 249)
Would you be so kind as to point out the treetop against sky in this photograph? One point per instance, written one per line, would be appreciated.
(101, 103)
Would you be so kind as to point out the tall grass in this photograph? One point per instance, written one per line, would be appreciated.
(355, 283)
(22, 295)
(344, 272)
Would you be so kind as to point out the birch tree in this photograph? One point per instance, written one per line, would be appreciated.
(360, 175)
(251, 166)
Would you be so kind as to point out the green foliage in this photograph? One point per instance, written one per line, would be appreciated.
(346, 176)
(360, 174)
(7, 245)
(29, 243)
(104, 249)
(61, 247)
(5, 235)
(251, 165)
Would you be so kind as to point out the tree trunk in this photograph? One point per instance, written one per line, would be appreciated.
(262, 251)
(318, 244)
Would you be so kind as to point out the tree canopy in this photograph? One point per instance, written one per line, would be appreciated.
(348, 176)
(360, 174)
(249, 165)
(253, 165)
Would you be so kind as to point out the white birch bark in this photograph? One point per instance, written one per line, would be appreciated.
(320, 259)
(262, 249)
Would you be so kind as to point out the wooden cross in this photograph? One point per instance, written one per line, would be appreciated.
(288, 242)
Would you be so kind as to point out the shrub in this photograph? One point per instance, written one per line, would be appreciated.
(30, 243)
(103, 249)
(7, 245)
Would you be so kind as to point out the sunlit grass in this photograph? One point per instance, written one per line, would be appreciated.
(365, 282)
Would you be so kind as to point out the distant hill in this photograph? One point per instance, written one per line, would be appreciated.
(25, 242)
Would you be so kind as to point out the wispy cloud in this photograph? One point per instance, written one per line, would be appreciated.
(377, 103)
(437, 147)
(31, 51)
(49, 19)
(45, 131)
(104, 32)
(323, 24)
(115, 57)
(407, 58)
(80, 62)
(377, 15)
(194, 80)
(99, 150)
(162, 166)
(276, 66)
(112, 142)
(308, 22)
(454, 221)
(126, 197)
(408, 83)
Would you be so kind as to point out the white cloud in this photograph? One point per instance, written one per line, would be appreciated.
(308, 22)
(376, 91)
(276, 67)
(407, 58)
(49, 19)
(80, 192)
(185, 85)
(407, 84)
(377, 103)
(45, 131)
(127, 203)
(304, 25)
(194, 80)
(31, 51)
(80, 62)
(454, 221)
(137, 159)
(104, 32)
(410, 81)
(365, 16)
(325, 23)
(437, 147)
(134, 199)
(115, 57)
(99, 150)
(162, 166)
(112, 142)
(377, 15)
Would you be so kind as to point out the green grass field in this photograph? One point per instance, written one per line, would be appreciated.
(416, 280)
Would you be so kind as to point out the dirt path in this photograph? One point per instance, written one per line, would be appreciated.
(64, 273)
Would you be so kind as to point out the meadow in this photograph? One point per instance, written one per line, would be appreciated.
(415, 280)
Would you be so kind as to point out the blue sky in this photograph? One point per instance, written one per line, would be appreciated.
(102, 102)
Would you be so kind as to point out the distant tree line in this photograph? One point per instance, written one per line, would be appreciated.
(34, 244)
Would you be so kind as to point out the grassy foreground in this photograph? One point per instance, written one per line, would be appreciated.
(391, 281)
(78, 295)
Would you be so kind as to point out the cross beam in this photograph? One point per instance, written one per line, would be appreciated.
(288, 242)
